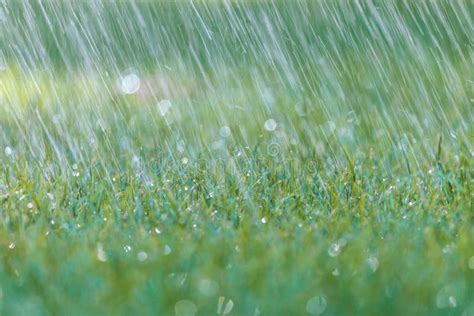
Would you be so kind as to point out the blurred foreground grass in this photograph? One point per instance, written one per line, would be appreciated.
(293, 158)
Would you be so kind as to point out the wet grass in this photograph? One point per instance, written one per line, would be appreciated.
(183, 198)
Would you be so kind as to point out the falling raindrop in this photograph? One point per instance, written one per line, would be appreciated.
(136, 162)
(224, 131)
(270, 125)
(332, 126)
(180, 145)
(130, 83)
(3, 18)
(164, 106)
(8, 151)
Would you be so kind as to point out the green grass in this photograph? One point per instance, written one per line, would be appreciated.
(359, 202)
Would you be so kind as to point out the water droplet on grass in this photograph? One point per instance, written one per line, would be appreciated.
(452, 301)
(185, 308)
(220, 302)
(142, 256)
(445, 299)
(101, 255)
(208, 287)
(167, 250)
(334, 250)
(316, 305)
(373, 263)
(228, 307)
(471, 263)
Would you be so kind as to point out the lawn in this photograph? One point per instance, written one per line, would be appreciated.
(236, 157)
